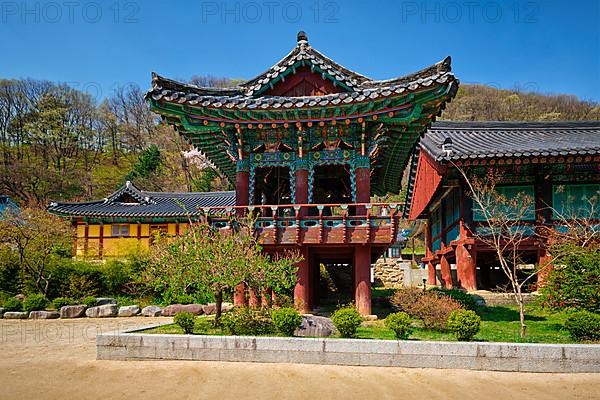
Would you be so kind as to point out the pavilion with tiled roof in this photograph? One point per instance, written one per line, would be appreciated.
(307, 142)
(556, 163)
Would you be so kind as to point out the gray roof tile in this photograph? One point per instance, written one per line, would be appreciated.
(147, 205)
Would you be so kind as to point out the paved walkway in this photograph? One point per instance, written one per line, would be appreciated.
(56, 360)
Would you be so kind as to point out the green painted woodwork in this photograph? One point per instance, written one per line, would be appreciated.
(392, 127)
(511, 192)
(581, 200)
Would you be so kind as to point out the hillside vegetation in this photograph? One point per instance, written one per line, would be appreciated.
(57, 143)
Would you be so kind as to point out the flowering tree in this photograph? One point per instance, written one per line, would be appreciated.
(218, 260)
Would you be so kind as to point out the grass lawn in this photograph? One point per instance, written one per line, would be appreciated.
(499, 324)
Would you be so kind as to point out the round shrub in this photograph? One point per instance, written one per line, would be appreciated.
(35, 302)
(90, 301)
(186, 321)
(464, 324)
(286, 320)
(60, 302)
(246, 321)
(431, 307)
(346, 321)
(399, 323)
(583, 325)
(13, 304)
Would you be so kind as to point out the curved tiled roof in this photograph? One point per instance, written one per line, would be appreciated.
(359, 88)
(473, 140)
(147, 204)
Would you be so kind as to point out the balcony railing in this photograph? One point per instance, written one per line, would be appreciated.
(287, 224)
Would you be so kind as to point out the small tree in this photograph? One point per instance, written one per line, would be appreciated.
(504, 231)
(37, 237)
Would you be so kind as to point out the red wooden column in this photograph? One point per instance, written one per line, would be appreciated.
(302, 298)
(446, 272)
(431, 278)
(242, 198)
(362, 279)
(466, 267)
(363, 188)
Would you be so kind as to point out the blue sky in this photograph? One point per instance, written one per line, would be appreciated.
(544, 46)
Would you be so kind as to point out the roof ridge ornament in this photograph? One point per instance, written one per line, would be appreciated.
(302, 38)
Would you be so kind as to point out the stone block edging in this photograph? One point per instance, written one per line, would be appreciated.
(523, 357)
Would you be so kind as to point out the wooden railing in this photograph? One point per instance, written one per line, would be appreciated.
(358, 223)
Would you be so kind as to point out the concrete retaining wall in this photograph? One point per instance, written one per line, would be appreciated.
(477, 356)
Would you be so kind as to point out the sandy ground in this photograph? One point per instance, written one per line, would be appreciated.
(56, 360)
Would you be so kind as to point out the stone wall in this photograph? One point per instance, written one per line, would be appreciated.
(526, 357)
(388, 272)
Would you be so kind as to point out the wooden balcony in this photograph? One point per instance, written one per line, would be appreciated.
(316, 224)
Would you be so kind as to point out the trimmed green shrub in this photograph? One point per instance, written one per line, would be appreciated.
(583, 325)
(35, 302)
(399, 323)
(186, 321)
(90, 301)
(246, 321)
(465, 299)
(12, 304)
(286, 320)
(464, 324)
(346, 321)
(60, 302)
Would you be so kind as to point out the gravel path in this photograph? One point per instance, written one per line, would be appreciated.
(56, 360)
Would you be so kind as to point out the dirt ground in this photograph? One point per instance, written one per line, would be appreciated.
(56, 360)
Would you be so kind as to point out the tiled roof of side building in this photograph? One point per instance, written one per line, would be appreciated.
(473, 140)
(129, 201)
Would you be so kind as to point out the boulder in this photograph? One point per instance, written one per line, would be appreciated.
(101, 301)
(210, 308)
(315, 326)
(44, 315)
(20, 297)
(173, 309)
(105, 311)
(72, 311)
(15, 315)
(129, 311)
(152, 311)
(226, 307)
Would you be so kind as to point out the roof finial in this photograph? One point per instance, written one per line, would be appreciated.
(302, 37)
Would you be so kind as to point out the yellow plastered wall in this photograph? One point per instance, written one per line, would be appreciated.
(133, 228)
(116, 246)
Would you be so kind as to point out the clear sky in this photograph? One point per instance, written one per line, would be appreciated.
(547, 46)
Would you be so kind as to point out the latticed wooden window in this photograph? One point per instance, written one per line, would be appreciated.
(120, 230)
(511, 192)
(576, 201)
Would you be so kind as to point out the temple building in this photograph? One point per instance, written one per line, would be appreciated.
(307, 143)
(556, 164)
(128, 218)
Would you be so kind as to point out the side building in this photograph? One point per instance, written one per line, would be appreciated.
(128, 218)
(555, 163)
